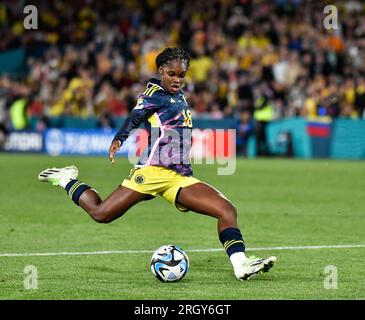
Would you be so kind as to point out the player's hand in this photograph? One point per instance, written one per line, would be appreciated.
(114, 147)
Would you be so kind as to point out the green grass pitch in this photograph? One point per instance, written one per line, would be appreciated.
(281, 203)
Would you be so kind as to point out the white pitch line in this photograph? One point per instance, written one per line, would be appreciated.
(42, 254)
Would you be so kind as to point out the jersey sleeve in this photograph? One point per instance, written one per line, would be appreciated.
(146, 105)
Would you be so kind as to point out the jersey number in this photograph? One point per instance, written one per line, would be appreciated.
(188, 121)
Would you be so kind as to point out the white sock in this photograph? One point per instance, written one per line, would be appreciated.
(64, 181)
(237, 258)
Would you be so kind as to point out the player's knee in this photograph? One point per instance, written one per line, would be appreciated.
(233, 211)
(103, 219)
(230, 211)
(100, 216)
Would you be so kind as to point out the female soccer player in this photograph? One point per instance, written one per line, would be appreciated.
(164, 167)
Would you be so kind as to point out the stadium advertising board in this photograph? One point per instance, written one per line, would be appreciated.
(81, 142)
(24, 142)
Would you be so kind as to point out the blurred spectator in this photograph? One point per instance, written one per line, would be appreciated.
(89, 58)
(263, 114)
(215, 112)
(105, 121)
(245, 129)
(18, 114)
(360, 97)
(42, 123)
(200, 65)
(3, 134)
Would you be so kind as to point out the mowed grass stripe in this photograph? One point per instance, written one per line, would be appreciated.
(340, 246)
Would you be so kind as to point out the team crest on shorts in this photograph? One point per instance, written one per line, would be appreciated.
(139, 179)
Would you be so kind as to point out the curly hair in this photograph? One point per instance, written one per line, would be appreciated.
(172, 54)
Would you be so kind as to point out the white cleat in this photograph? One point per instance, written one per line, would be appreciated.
(54, 175)
(253, 266)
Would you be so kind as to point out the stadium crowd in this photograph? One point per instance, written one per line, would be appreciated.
(251, 59)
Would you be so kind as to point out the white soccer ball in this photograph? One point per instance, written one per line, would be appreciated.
(169, 263)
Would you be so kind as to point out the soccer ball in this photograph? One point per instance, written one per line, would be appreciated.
(169, 263)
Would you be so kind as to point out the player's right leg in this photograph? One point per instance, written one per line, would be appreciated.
(103, 211)
(204, 199)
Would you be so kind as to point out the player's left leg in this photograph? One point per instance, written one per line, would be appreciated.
(103, 211)
(204, 199)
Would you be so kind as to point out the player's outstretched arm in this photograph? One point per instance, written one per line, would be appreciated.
(145, 107)
(132, 122)
(114, 147)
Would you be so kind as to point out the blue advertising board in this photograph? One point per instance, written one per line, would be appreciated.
(83, 142)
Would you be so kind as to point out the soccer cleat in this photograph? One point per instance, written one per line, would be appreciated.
(253, 266)
(54, 175)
